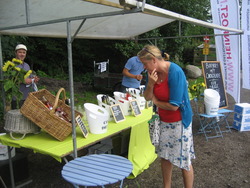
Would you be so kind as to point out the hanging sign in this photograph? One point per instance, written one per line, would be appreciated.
(206, 45)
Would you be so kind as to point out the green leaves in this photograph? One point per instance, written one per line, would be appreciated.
(8, 84)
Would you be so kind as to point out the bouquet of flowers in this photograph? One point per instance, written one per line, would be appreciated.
(13, 76)
(196, 89)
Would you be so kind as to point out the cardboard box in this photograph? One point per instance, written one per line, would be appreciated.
(242, 108)
(241, 126)
(242, 118)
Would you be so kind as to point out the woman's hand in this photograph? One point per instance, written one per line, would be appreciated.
(152, 77)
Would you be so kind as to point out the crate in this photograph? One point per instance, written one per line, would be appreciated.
(34, 109)
(242, 108)
(242, 118)
(241, 126)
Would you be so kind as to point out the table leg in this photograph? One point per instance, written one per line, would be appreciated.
(11, 168)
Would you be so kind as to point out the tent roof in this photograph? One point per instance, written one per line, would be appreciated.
(100, 19)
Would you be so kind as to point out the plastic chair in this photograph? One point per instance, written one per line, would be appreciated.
(209, 124)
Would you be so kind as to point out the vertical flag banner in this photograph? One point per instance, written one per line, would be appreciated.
(245, 42)
(226, 13)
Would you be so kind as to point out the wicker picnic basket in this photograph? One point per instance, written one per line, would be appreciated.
(34, 109)
(18, 125)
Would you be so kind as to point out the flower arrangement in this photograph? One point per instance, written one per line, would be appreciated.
(13, 77)
(196, 88)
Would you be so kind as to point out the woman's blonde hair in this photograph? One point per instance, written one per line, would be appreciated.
(150, 51)
(165, 56)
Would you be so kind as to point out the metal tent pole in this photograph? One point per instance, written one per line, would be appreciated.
(1, 73)
(71, 85)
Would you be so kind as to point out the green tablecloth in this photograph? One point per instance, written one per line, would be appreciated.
(141, 151)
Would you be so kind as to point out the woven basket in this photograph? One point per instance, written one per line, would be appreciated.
(16, 123)
(34, 109)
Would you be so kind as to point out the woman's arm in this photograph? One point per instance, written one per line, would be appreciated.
(126, 72)
(164, 105)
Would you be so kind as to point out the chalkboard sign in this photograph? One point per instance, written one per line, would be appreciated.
(214, 79)
(149, 104)
(82, 126)
(135, 107)
(117, 113)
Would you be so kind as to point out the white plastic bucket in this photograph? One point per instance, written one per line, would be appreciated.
(211, 101)
(4, 152)
(211, 94)
(97, 118)
(125, 106)
(106, 106)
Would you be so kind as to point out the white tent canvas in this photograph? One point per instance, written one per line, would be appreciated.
(102, 20)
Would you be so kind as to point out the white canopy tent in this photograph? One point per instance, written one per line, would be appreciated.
(90, 19)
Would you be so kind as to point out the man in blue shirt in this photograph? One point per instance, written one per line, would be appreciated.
(132, 74)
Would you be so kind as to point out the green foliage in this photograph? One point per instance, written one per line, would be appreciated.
(88, 78)
(42, 74)
(86, 97)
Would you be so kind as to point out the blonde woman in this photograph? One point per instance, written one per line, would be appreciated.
(167, 87)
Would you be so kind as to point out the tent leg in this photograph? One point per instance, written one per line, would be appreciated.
(71, 84)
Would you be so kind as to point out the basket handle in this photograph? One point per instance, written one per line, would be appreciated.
(57, 98)
(14, 138)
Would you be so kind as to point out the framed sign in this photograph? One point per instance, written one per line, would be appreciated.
(214, 79)
(135, 107)
(149, 104)
(117, 113)
(83, 128)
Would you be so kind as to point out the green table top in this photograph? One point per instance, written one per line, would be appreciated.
(45, 144)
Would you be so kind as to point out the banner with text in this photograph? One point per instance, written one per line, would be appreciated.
(226, 13)
(245, 41)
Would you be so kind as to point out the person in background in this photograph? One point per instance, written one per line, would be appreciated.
(132, 74)
(25, 88)
(167, 87)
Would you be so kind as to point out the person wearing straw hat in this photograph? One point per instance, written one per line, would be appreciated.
(30, 82)
(167, 88)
